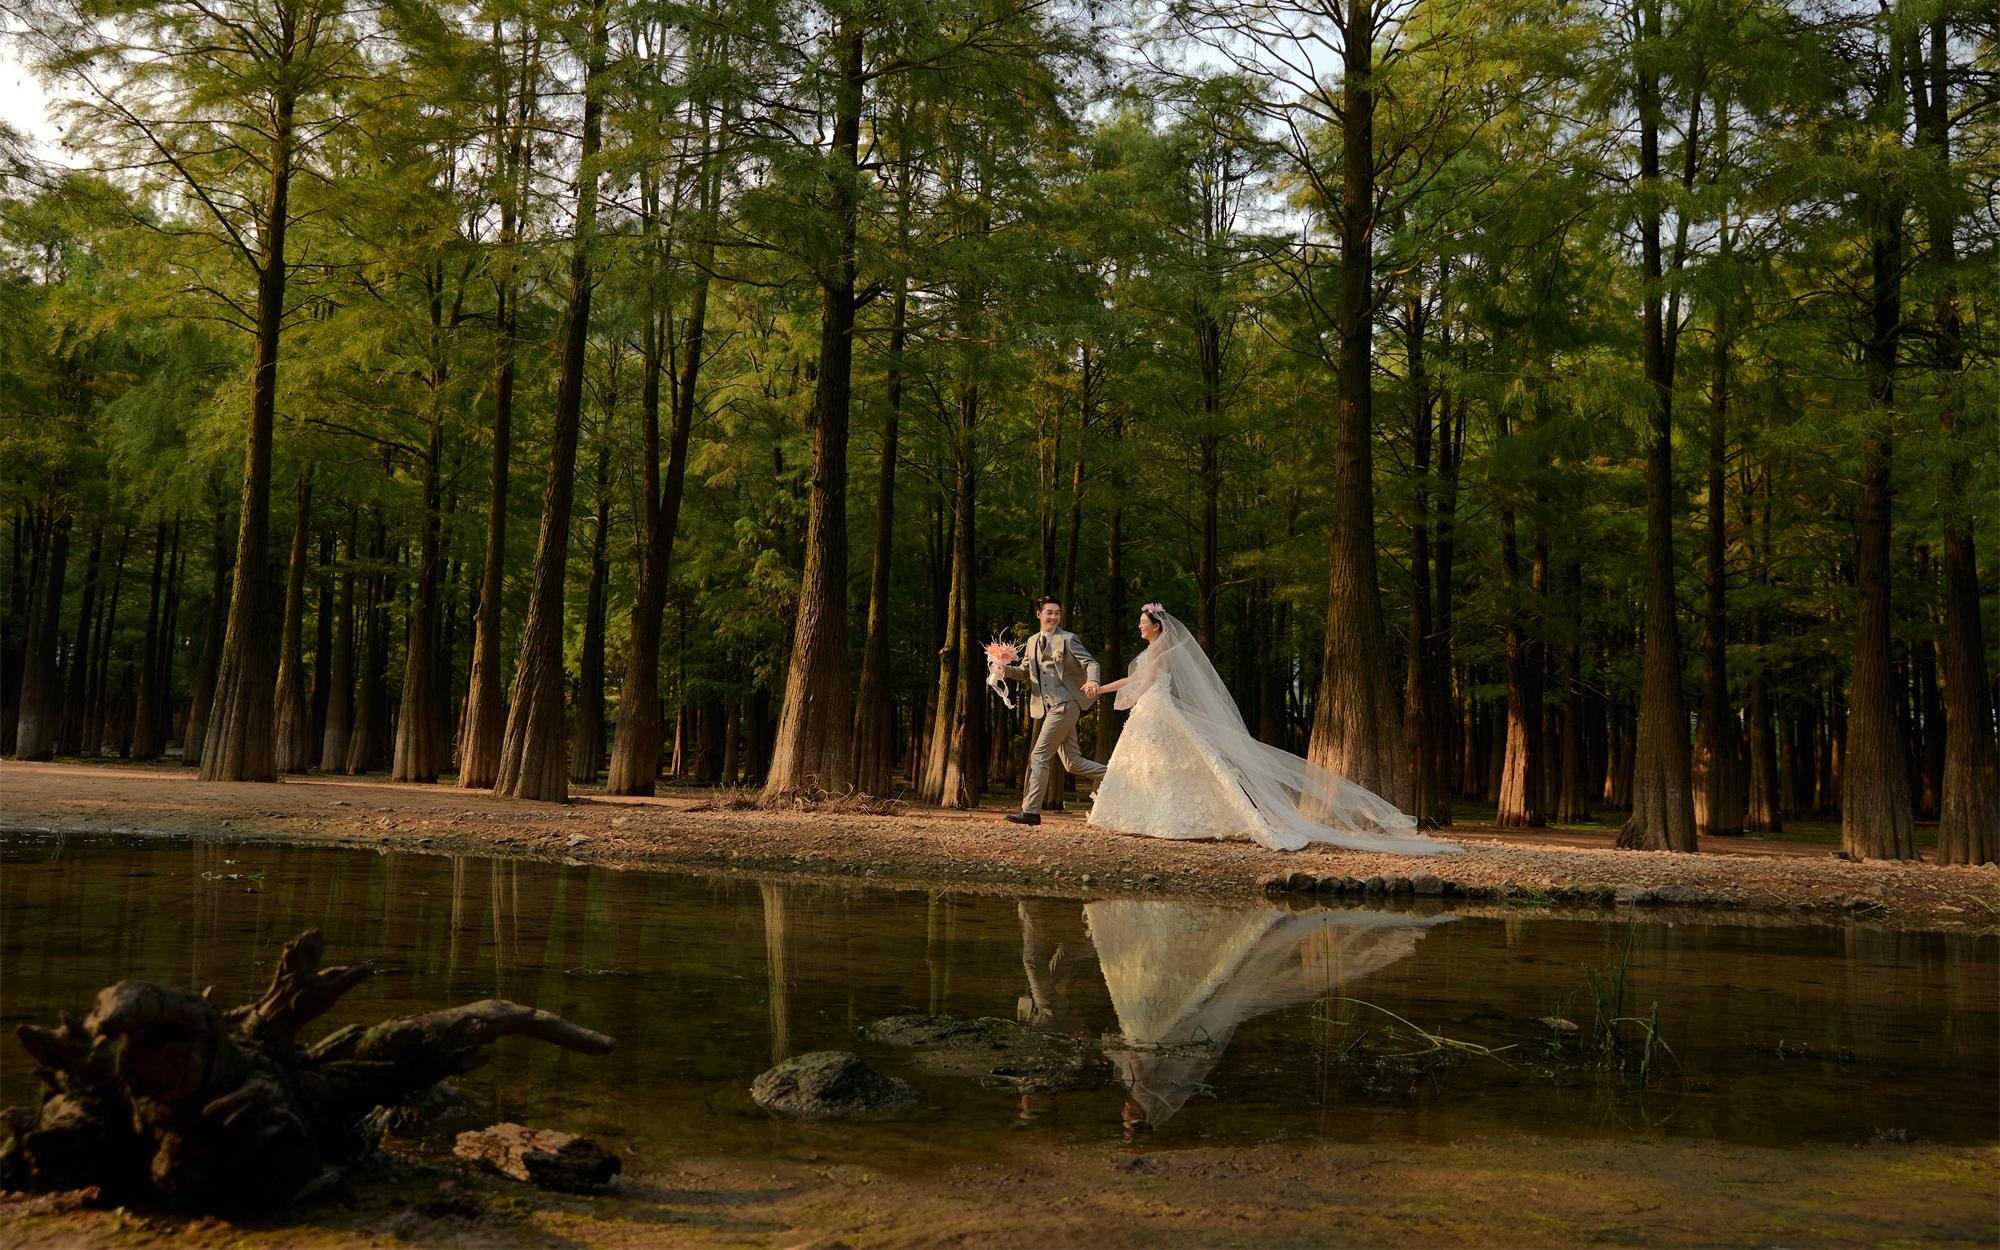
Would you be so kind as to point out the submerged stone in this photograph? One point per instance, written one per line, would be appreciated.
(991, 1050)
(830, 1084)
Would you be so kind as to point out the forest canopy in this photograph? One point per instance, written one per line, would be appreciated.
(1553, 407)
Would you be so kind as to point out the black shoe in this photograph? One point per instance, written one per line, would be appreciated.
(1025, 818)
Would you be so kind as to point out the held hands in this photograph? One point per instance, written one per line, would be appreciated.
(1090, 689)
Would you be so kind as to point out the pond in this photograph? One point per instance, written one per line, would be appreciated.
(1195, 1023)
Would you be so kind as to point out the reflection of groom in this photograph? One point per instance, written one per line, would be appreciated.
(1061, 677)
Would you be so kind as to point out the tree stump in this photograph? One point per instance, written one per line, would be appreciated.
(159, 1093)
(542, 1157)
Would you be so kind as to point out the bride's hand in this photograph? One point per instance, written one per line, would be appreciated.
(1090, 689)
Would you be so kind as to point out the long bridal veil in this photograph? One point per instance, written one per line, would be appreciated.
(1284, 787)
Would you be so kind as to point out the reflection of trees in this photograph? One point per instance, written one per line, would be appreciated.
(1183, 977)
(939, 923)
(777, 973)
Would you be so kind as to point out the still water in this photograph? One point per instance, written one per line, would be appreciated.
(1203, 1024)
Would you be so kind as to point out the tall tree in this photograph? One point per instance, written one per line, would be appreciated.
(1876, 821)
(41, 680)
(514, 76)
(813, 747)
(1662, 816)
(226, 102)
(1969, 802)
(294, 745)
(534, 756)
(696, 175)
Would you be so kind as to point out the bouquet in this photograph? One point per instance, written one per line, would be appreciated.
(1001, 656)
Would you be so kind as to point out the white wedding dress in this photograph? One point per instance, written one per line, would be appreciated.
(1186, 767)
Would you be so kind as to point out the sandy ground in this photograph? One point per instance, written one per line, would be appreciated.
(930, 847)
(1508, 1191)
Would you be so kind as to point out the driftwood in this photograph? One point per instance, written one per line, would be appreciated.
(541, 1157)
(158, 1092)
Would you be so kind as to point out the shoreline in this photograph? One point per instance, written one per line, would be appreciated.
(1563, 1182)
(1517, 873)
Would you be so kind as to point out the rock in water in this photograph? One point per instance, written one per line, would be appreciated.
(830, 1084)
(988, 1050)
(542, 1157)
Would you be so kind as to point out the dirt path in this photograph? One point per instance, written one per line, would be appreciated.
(928, 848)
(1507, 1191)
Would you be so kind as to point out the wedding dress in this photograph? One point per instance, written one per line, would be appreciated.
(1186, 766)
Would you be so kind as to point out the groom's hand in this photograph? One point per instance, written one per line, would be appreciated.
(1090, 690)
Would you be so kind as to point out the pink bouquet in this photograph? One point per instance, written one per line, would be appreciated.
(1001, 656)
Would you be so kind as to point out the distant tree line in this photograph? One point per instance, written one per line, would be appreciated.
(1573, 407)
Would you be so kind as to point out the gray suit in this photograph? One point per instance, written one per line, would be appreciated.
(1055, 667)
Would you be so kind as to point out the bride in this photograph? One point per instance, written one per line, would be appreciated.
(1186, 766)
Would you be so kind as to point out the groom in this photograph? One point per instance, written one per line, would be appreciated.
(1062, 684)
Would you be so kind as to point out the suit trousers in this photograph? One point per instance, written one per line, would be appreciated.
(1057, 739)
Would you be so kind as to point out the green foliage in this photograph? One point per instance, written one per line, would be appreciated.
(1130, 263)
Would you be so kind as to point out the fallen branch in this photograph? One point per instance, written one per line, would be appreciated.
(158, 1093)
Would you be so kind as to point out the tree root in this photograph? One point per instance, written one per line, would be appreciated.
(160, 1094)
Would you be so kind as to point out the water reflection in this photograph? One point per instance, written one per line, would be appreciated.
(1835, 1032)
(1184, 977)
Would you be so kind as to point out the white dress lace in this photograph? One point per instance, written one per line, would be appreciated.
(1163, 781)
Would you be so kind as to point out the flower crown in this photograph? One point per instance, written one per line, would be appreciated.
(1152, 609)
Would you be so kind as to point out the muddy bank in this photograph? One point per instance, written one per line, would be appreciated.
(978, 850)
(1484, 1191)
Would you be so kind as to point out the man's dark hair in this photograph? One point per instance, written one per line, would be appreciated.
(1046, 599)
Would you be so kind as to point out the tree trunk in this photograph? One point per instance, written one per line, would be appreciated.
(163, 700)
(875, 714)
(144, 744)
(586, 739)
(41, 675)
(1764, 804)
(814, 746)
(1429, 802)
(340, 672)
(294, 748)
(1719, 807)
(241, 742)
(1208, 576)
(1108, 721)
(213, 623)
(1662, 816)
(1875, 818)
(1450, 455)
(534, 761)
(367, 744)
(316, 701)
(1521, 781)
(93, 711)
(953, 765)
(635, 747)
(419, 748)
(1969, 793)
(14, 625)
(485, 717)
(1357, 724)
(1573, 789)
(69, 737)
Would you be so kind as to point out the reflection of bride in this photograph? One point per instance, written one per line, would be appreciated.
(1183, 977)
(1186, 766)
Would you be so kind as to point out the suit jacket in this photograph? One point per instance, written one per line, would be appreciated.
(1067, 664)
